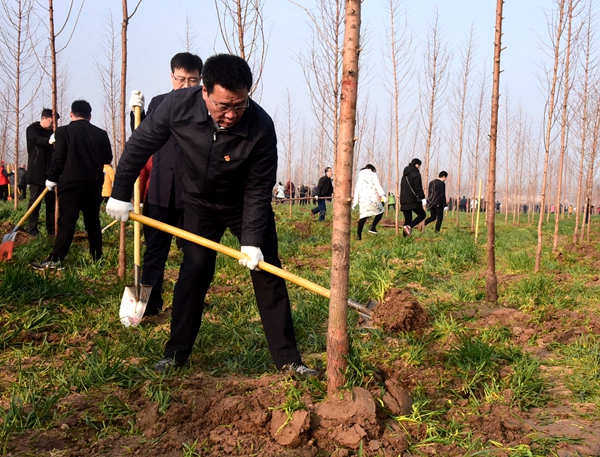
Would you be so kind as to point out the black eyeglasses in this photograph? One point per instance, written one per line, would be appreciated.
(224, 108)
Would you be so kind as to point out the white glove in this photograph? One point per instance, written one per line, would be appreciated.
(316, 197)
(424, 202)
(50, 185)
(136, 99)
(353, 206)
(51, 140)
(383, 198)
(118, 209)
(255, 255)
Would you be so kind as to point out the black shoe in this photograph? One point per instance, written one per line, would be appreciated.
(407, 230)
(299, 369)
(151, 311)
(47, 265)
(34, 233)
(358, 237)
(372, 230)
(168, 364)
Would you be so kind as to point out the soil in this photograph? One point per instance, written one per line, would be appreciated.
(237, 416)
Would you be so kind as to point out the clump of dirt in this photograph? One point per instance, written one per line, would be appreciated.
(400, 312)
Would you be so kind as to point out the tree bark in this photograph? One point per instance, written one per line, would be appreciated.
(491, 287)
(337, 335)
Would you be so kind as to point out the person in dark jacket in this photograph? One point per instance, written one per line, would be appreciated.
(22, 181)
(164, 188)
(412, 197)
(40, 140)
(323, 193)
(436, 200)
(77, 167)
(4, 181)
(229, 155)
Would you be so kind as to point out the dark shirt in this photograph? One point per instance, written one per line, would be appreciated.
(411, 189)
(39, 151)
(82, 149)
(223, 169)
(324, 187)
(436, 193)
(22, 177)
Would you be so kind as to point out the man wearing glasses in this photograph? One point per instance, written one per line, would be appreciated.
(229, 155)
(161, 183)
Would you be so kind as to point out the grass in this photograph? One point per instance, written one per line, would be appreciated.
(60, 334)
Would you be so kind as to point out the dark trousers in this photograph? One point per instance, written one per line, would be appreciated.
(437, 212)
(196, 274)
(321, 208)
(408, 220)
(23, 190)
(84, 199)
(361, 223)
(158, 245)
(4, 192)
(35, 190)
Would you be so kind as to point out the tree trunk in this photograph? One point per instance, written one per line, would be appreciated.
(337, 335)
(491, 287)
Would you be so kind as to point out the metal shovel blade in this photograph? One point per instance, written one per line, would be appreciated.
(133, 305)
(6, 248)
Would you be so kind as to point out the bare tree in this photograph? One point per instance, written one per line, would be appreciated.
(242, 28)
(461, 91)
(189, 38)
(123, 117)
(556, 34)
(111, 86)
(491, 286)
(564, 123)
(322, 66)
(436, 60)
(19, 68)
(475, 157)
(337, 335)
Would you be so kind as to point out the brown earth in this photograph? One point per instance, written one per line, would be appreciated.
(236, 416)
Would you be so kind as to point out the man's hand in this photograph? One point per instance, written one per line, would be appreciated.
(51, 140)
(255, 255)
(136, 99)
(50, 185)
(118, 209)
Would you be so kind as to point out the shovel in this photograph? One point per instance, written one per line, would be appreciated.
(136, 296)
(364, 311)
(8, 241)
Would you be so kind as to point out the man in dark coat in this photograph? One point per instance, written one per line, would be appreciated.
(163, 201)
(40, 140)
(436, 200)
(323, 193)
(77, 167)
(22, 181)
(229, 155)
(412, 197)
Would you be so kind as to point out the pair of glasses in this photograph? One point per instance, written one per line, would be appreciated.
(190, 81)
(225, 108)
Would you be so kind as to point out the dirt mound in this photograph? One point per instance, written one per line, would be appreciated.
(400, 312)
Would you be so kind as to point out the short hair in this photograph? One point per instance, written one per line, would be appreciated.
(370, 167)
(228, 71)
(186, 61)
(443, 174)
(415, 161)
(47, 112)
(81, 108)
(327, 169)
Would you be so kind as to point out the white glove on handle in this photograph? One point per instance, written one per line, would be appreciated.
(136, 99)
(255, 255)
(424, 201)
(118, 209)
(50, 185)
(51, 140)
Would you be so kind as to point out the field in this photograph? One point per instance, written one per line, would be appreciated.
(461, 378)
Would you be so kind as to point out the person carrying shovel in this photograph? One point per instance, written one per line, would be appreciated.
(229, 152)
(81, 150)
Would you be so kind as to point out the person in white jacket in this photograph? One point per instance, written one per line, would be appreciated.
(369, 195)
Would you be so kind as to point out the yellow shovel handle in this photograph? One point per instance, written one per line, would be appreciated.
(229, 252)
(30, 210)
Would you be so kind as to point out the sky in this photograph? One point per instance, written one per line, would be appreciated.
(156, 32)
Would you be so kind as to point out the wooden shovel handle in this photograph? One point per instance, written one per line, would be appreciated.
(30, 210)
(238, 255)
